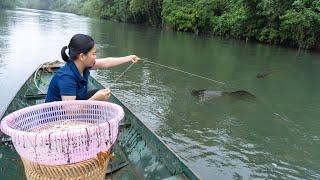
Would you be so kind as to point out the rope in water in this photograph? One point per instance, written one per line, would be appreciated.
(120, 76)
(202, 77)
(127, 69)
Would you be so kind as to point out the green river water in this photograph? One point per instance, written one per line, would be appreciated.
(275, 137)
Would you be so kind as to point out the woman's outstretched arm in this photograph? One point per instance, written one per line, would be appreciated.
(114, 61)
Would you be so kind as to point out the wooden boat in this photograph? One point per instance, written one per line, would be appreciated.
(139, 152)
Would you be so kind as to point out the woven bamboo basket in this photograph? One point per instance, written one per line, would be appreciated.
(92, 169)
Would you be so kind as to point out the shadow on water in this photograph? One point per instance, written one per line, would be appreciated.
(119, 39)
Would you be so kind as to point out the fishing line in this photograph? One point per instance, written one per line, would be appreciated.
(191, 74)
(124, 72)
(120, 76)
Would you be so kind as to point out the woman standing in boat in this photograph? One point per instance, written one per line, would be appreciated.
(70, 81)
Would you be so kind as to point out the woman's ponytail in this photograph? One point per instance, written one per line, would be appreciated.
(64, 56)
(79, 43)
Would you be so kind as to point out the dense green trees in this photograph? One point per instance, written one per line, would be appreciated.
(288, 22)
(300, 25)
(133, 11)
(7, 4)
(57, 5)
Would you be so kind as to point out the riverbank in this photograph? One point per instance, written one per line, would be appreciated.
(290, 23)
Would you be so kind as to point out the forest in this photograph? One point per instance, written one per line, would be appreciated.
(294, 23)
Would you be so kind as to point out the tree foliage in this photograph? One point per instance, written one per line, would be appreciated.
(7, 4)
(288, 22)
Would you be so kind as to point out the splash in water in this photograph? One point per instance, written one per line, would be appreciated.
(205, 95)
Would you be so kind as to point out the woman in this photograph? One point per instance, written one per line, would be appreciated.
(70, 81)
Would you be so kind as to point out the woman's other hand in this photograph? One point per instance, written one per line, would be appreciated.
(101, 95)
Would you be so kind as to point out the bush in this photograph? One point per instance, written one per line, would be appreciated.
(7, 4)
(300, 28)
(288, 22)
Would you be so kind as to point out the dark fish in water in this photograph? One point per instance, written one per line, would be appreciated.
(205, 95)
(265, 74)
(241, 94)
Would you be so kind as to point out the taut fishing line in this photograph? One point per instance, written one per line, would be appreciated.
(191, 74)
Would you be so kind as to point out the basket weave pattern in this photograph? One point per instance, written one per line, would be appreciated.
(92, 169)
(63, 132)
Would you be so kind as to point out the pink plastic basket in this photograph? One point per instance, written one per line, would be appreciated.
(63, 132)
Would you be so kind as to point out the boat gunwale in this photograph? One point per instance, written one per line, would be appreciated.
(13, 97)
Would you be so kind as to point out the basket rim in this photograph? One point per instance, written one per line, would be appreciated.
(5, 128)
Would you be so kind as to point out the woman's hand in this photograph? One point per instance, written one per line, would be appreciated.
(101, 95)
(133, 58)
